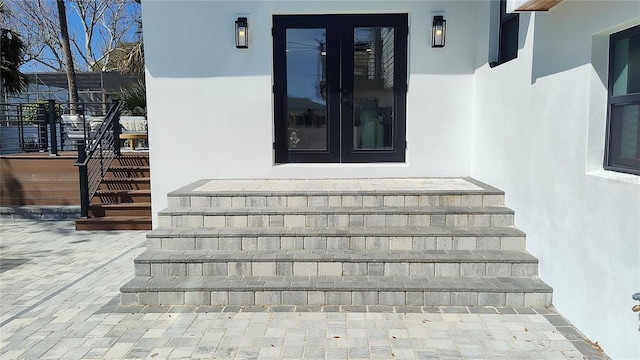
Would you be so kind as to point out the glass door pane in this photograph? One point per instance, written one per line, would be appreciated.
(306, 110)
(339, 87)
(373, 88)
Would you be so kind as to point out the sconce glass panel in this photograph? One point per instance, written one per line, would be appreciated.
(438, 31)
(242, 33)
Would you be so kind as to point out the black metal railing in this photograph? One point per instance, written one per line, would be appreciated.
(48, 126)
(95, 155)
(91, 128)
(33, 127)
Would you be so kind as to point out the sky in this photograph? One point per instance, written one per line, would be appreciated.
(75, 28)
(303, 62)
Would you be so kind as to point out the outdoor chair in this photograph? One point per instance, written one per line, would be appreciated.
(77, 127)
(133, 129)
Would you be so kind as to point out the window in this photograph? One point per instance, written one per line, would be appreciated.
(622, 151)
(507, 35)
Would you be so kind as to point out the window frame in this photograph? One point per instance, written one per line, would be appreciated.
(505, 18)
(621, 165)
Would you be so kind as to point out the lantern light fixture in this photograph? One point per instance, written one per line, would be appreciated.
(438, 31)
(242, 33)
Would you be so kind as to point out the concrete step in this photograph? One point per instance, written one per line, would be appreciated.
(346, 238)
(337, 217)
(337, 290)
(336, 193)
(237, 200)
(417, 264)
(426, 242)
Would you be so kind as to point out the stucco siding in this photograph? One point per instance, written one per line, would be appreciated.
(538, 134)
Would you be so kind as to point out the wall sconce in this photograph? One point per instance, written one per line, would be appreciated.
(438, 31)
(242, 33)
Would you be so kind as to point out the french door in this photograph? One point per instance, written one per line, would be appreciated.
(340, 85)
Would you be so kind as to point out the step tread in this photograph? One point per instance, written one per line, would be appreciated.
(402, 210)
(204, 232)
(489, 284)
(116, 219)
(128, 167)
(115, 223)
(124, 191)
(127, 179)
(139, 154)
(294, 192)
(240, 187)
(132, 205)
(426, 256)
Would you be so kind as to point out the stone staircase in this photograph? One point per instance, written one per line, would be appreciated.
(415, 242)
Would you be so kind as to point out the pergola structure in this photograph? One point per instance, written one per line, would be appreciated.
(92, 86)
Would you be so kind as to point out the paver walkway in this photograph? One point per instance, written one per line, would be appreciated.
(59, 299)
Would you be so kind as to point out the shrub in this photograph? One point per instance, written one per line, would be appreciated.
(30, 112)
(134, 99)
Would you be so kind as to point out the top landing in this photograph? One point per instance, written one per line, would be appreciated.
(395, 186)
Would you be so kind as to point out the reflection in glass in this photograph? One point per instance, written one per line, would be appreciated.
(373, 88)
(306, 89)
(626, 66)
(625, 126)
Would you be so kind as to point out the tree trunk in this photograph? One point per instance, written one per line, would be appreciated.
(66, 50)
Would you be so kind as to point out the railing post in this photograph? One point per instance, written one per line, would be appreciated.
(80, 110)
(84, 181)
(116, 130)
(52, 128)
(20, 119)
(41, 122)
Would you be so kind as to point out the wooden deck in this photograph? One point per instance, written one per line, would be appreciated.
(39, 179)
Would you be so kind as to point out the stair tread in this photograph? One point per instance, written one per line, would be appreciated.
(334, 231)
(115, 223)
(127, 205)
(490, 284)
(337, 210)
(430, 256)
(372, 264)
(124, 191)
(280, 187)
(113, 219)
(119, 179)
(129, 167)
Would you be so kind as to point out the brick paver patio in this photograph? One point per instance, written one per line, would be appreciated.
(60, 299)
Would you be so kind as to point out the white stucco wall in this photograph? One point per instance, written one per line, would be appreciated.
(538, 134)
(533, 127)
(210, 104)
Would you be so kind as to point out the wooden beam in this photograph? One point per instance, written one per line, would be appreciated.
(538, 5)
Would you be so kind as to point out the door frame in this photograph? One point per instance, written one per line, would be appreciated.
(339, 100)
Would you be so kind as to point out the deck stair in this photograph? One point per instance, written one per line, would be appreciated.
(123, 200)
(414, 242)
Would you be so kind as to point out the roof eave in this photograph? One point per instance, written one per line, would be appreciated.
(538, 5)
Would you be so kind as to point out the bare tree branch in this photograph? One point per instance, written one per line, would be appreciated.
(104, 24)
(37, 21)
